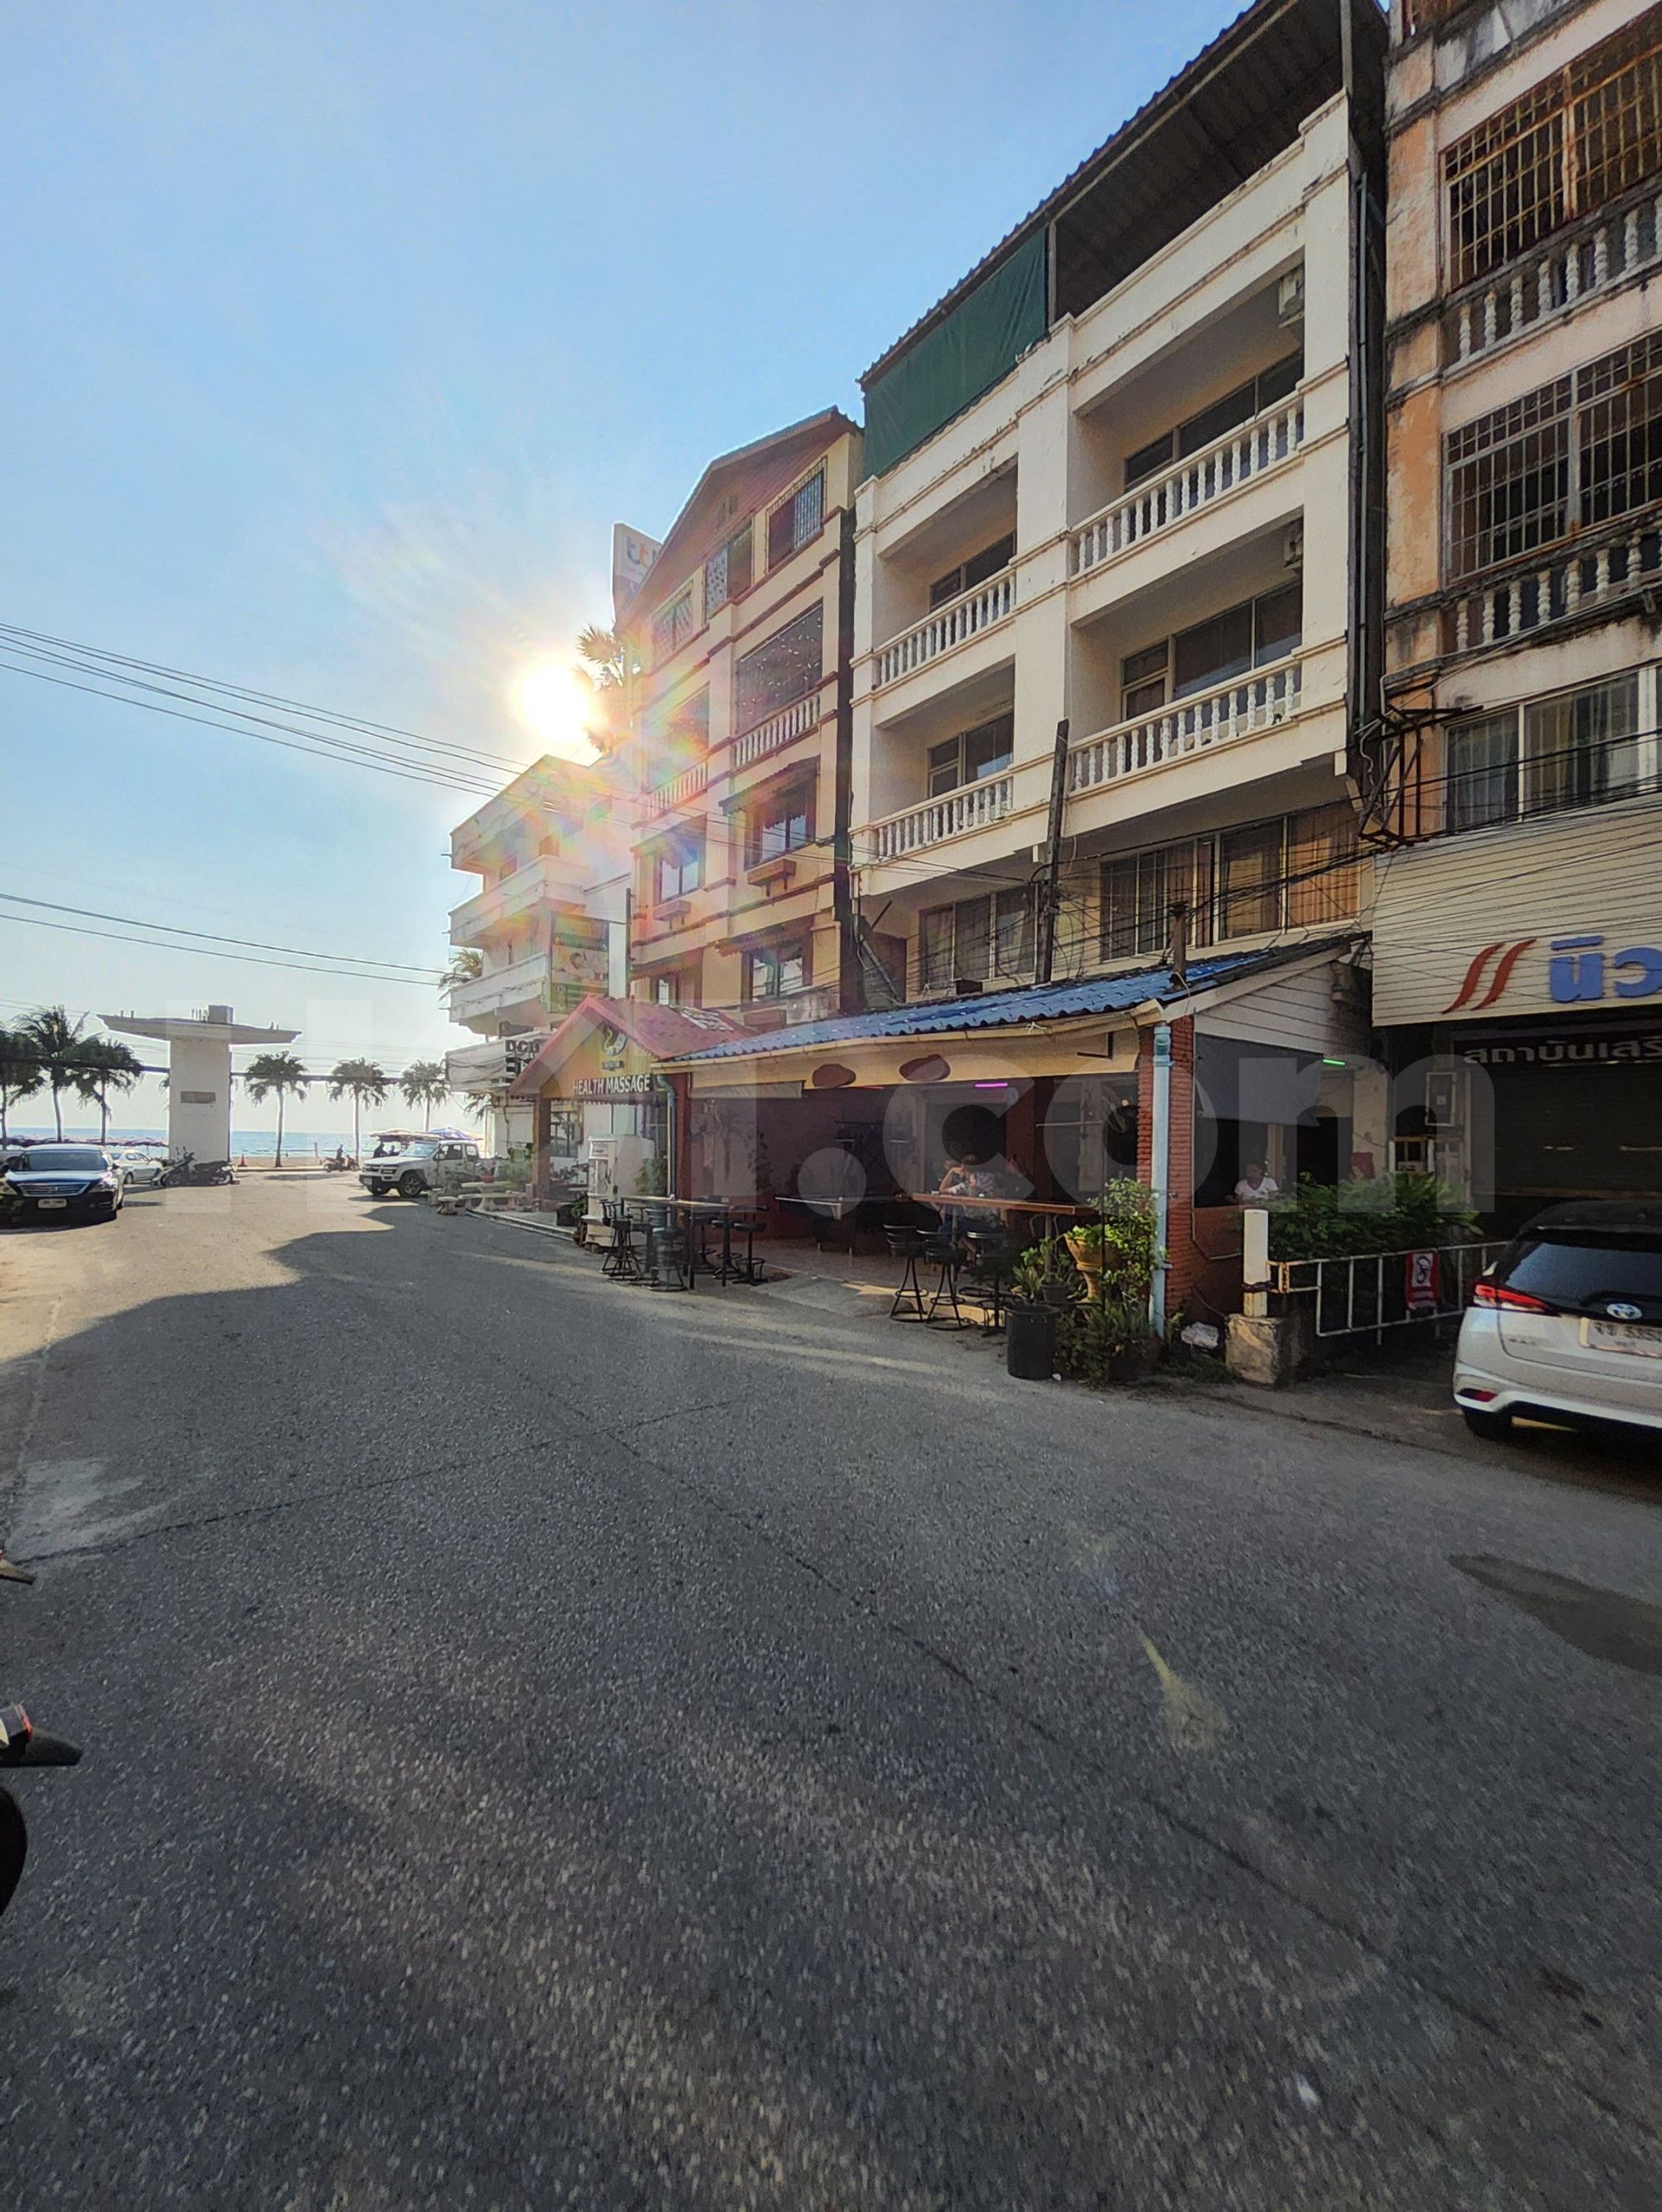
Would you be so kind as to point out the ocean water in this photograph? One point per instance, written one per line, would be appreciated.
(251, 1144)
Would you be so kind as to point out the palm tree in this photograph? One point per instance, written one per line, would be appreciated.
(268, 1075)
(364, 1082)
(102, 1065)
(467, 967)
(424, 1083)
(20, 1073)
(54, 1042)
(605, 657)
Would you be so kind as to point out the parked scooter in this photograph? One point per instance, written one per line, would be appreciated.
(21, 1744)
(187, 1169)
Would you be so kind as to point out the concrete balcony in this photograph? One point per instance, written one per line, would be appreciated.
(954, 814)
(1558, 276)
(520, 985)
(679, 789)
(1266, 442)
(1210, 720)
(1573, 581)
(777, 732)
(545, 881)
(948, 627)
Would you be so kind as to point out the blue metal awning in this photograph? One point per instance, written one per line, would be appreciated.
(1033, 1002)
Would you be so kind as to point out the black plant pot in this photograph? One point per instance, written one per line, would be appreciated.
(1030, 1343)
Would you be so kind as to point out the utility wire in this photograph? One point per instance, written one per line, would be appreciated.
(215, 937)
(212, 952)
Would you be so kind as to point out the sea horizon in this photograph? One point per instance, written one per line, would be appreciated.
(253, 1144)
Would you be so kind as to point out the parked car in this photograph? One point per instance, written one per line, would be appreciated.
(416, 1168)
(77, 1182)
(141, 1171)
(1568, 1321)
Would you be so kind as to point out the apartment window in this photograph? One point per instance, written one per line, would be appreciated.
(783, 669)
(666, 991)
(1249, 873)
(975, 940)
(973, 754)
(1579, 748)
(678, 869)
(797, 520)
(775, 971)
(673, 626)
(1568, 147)
(1583, 450)
(977, 570)
(1139, 892)
(1208, 654)
(1214, 422)
(727, 574)
(783, 825)
(1324, 865)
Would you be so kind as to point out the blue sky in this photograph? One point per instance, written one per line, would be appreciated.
(339, 337)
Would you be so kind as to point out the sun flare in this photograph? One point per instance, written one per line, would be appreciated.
(557, 706)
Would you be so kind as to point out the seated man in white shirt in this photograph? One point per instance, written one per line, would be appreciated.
(1258, 1186)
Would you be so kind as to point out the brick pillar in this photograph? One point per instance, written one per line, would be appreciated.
(1187, 1258)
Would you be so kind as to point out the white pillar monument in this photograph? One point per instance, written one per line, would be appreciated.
(199, 1071)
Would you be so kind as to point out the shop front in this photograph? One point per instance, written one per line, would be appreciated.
(600, 1105)
(1517, 978)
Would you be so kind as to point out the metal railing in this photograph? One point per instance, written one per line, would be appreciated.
(1556, 275)
(974, 806)
(1253, 703)
(778, 730)
(960, 619)
(1365, 1294)
(1271, 438)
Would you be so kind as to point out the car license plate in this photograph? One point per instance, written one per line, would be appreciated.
(52, 1202)
(1623, 1336)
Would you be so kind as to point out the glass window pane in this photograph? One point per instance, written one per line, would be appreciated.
(1013, 933)
(1211, 652)
(945, 767)
(1223, 415)
(935, 947)
(1324, 875)
(1249, 887)
(1482, 768)
(1277, 382)
(784, 668)
(988, 748)
(1278, 624)
(973, 938)
(1581, 749)
(1148, 461)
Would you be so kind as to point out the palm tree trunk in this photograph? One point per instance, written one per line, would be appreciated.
(103, 1117)
(357, 1128)
(57, 1108)
(279, 1146)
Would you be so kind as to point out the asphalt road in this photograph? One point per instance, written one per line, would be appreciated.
(554, 1745)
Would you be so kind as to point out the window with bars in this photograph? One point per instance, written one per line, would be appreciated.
(796, 521)
(1568, 147)
(673, 626)
(1292, 872)
(728, 573)
(781, 670)
(977, 940)
(1577, 749)
(1583, 450)
(780, 825)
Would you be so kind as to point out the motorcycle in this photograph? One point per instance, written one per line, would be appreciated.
(336, 1164)
(21, 1744)
(187, 1169)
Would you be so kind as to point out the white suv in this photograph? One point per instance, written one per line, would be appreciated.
(413, 1172)
(1568, 1321)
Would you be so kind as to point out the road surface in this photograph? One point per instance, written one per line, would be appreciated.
(551, 1743)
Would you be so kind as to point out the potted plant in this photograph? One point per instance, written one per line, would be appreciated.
(1088, 1245)
(1042, 1284)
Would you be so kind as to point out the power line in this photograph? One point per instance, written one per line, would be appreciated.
(212, 952)
(255, 943)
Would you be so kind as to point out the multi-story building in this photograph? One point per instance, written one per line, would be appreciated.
(1518, 922)
(1110, 641)
(547, 924)
(737, 640)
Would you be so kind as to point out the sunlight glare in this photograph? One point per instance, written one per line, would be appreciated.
(555, 704)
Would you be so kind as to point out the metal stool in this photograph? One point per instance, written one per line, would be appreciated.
(992, 1257)
(907, 1244)
(944, 1252)
(622, 1262)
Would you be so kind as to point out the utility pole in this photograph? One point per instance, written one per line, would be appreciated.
(1179, 940)
(1050, 892)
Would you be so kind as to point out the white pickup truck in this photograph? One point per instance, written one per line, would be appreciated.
(413, 1171)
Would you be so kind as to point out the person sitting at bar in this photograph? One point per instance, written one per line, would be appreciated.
(1258, 1186)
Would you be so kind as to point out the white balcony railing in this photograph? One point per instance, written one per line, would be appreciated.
(1253, 703)
(1568, 269)
(1271, 438)
(548, 879)
(678, 790)
(1572, 581)
(778, 730)
(954, 815)
(950, 625)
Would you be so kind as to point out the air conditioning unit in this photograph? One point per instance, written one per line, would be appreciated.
(1292, 546)
(1289, 299)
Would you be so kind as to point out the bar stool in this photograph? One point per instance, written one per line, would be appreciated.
(942, 1250)
(671, 1257)
(992, 1259)
(622, 1262)
(907, 1244)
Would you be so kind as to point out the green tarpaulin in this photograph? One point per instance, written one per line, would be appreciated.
(962, 357)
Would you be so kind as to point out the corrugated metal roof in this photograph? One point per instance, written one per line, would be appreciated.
(1167, 103)
(1003, 1009)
